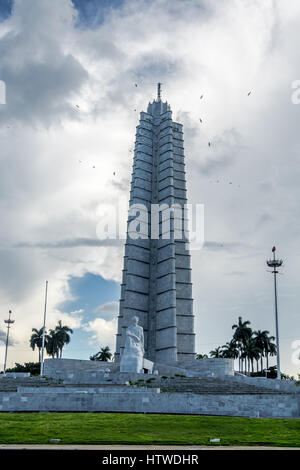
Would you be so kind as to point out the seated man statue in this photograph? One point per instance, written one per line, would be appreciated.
(132, 357)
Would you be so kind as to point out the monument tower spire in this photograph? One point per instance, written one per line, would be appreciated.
(159, 91)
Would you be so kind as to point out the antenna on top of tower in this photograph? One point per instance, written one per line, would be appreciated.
(158, 91)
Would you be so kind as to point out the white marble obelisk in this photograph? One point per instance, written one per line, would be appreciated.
(156, 284)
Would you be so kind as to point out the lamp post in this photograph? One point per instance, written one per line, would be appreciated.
(276, 263)
(44, 331)
(9, 322)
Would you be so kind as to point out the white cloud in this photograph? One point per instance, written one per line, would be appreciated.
(77, 312)
(108, 310)
(102, 332)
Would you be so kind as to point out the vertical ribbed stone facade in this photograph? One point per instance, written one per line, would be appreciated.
(156, 283)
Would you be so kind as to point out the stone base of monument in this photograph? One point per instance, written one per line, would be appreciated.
(168, 398)
(85, 371)
(204, 387)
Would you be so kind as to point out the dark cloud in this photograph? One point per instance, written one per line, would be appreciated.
(41, 74)
(226, 246)
(236, 273)
(222, 153)
(3, 334)
(72, 243)
(40, 92)
(122, 184)
(107, 311)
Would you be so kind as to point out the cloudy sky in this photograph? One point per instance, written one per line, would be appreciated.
(70, 70)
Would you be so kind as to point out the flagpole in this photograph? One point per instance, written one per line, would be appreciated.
(44, 330)
(9, 322)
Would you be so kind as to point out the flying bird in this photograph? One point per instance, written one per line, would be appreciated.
(201, 97)
(209, 144)
(200, 120)
(114, 173)
(135, 84)
(249, 93)
(77, 106)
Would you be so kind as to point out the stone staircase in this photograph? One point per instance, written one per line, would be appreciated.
(214, 386)
(10, 384)
(209, 386)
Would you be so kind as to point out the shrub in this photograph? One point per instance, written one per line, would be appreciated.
(32, 367)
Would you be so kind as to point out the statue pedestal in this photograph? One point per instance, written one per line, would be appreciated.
(131, 362)
(148, 365)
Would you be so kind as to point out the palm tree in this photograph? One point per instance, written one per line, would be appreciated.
(62, 333)
(270, 349)
(261, 339)
(53, 345)
(103, 355)
(230, 350)
(36, 340)
(250, 352)
(216, 352)
(241, 334)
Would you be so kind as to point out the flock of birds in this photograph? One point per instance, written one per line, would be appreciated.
(201, 120)
(130, 150)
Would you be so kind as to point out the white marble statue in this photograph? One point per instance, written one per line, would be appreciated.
(132, 357)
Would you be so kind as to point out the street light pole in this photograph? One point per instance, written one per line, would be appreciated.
(44, 330)
(276, 263)
(9, 322)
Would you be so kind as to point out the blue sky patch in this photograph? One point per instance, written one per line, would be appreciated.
(93, 12)
(89, 291)
(5, 9)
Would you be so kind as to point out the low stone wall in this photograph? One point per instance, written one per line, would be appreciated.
(142, 400)
(53, 366)
(212, 367)
(82, 370)
(272, 384)
(15, 375)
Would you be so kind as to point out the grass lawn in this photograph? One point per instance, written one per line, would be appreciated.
(117, 428)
